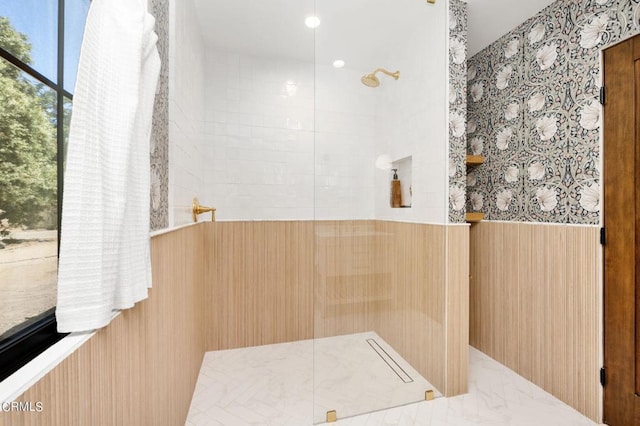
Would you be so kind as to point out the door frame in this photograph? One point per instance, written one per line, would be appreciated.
(620, 160)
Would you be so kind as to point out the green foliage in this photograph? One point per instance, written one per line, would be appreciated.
(4, 226)
(28, 147)
(14, 42)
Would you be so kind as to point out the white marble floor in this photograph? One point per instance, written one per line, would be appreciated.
(273, 385)
(298, 382)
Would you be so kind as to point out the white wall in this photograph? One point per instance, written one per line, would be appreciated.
(281, 139)
(186, 104)
(345, 130)
(259, 123)
(264, 161)
(411, 121)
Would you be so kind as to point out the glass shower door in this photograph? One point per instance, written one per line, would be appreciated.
(333, 281)
(378, 283)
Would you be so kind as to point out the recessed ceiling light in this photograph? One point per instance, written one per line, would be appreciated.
(312, 22)
(338, 63)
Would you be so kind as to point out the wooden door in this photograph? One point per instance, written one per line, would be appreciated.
(621, 213)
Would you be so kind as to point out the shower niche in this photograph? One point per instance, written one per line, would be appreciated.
(402, 168)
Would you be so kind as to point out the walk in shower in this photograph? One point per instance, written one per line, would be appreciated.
(306, 112)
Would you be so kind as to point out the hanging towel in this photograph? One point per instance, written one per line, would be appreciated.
(104, 247)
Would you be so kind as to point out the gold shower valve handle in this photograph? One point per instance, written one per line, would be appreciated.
(198, 210)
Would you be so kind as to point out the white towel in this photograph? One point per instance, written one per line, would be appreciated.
(104, 248)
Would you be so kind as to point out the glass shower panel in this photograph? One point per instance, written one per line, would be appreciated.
(379, 270)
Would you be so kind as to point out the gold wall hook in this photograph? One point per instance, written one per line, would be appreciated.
(198, 209)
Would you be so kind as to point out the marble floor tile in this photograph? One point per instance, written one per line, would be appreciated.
(274, 385)
(298, 382)
(352, 378)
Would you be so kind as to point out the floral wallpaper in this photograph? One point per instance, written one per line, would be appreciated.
(160, 130)
(457, 109)
(534, 113)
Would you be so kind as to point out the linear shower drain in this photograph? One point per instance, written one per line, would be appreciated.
(388, 359)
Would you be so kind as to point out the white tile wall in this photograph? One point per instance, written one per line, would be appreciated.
(278, 139)
(258, 137)
(264, 160)
(411, 121)
(186, 103)
(344, 154)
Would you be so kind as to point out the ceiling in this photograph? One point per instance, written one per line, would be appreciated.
(259, 27)
(357, 31)
(491, 19)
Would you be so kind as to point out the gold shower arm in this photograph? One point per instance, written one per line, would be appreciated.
(395, 75)
(198, 209)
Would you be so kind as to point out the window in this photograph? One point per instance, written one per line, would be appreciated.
(39, 49)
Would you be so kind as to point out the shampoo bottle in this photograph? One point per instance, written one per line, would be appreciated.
(396, 191)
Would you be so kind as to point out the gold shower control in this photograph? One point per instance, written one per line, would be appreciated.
(332, 416)
(198, 209)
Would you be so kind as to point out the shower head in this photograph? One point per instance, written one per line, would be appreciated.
(372, 81)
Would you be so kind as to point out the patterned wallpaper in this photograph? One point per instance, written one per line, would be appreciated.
(535, 116)
(457, 109)
(160, 130)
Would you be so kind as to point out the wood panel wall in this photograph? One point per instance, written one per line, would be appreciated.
(234, 284)
(536, 306)
(413, 319)
(142, 368)
(352, 277)
(273, 282)
(456, 355)
(259, 283)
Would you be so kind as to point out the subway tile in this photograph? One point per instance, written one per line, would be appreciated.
(259, 133)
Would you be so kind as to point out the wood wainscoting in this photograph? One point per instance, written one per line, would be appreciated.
(426, 319)
(413, 319)
(142, 368)
(536, 306)
(352, 277)
(273, 282)
(259, 283)
(234, 284)
(457, 311)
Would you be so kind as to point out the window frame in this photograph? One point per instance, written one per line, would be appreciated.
(30, 338)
